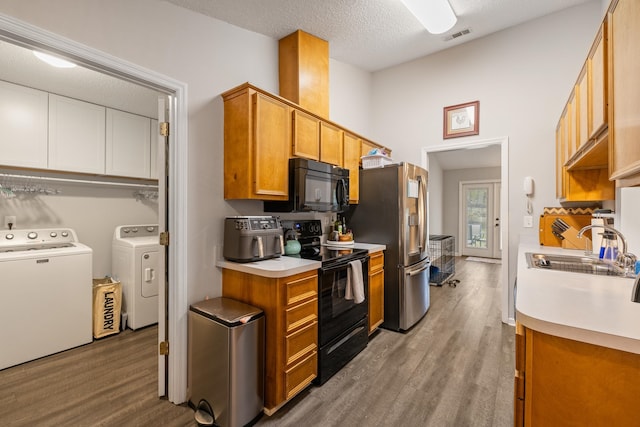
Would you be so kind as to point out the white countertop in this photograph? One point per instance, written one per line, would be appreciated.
(275, 267)
(287, 265)
(578, 306)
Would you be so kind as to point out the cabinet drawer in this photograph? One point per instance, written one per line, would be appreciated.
(301, 288)
(300, 315)
(300, 343)
(376, 262)
(299, 376)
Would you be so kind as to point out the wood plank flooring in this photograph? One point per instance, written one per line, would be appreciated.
(454, 368)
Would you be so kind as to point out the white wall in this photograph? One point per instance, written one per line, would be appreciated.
(211, 57)
(93, 213)
(522, 77)
(435, 189)
(350, 97)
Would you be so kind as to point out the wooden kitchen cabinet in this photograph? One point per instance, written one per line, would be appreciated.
(624, 92)
(257, 135)
(351, 161)
(290, 305)
(23, 124)
(305, 136)
(582, 108)
(76, 135)
(330, 144)
(263, 131)
(598, 86)
(128, 144)
(562, 382)
(582, 139)
(376, 290)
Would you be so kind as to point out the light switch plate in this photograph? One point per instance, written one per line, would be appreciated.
(528, 221)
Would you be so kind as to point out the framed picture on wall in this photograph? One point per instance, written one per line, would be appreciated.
(461, 120)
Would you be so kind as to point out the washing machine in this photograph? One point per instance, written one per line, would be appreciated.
(45, 293)
(135, 254)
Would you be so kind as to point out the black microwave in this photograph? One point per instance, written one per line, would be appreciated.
(314, 186)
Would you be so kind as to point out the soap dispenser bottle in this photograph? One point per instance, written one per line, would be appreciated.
(609, 246)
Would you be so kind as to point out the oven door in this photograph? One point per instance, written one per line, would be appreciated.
(338, 314)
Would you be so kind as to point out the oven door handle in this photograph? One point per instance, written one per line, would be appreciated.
(342, 265)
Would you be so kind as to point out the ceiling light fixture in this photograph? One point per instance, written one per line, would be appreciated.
(435, 15)
(53, 60)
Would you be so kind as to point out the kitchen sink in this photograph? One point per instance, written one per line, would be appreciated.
(573, 263)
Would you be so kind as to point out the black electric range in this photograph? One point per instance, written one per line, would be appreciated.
(309, 234)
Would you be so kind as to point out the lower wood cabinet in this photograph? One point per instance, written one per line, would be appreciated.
(562, 382)
(376, 290)
(290, 305)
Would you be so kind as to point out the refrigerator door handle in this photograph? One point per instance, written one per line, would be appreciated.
(422, 197)
(418, 271)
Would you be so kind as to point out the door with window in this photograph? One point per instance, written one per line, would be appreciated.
(480, 219)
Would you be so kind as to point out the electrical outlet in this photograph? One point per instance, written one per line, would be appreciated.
(528, 221)
(9, 219)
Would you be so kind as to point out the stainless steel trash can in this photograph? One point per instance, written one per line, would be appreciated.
(226, 360)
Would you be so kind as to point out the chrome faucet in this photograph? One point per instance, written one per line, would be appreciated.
(624, 259)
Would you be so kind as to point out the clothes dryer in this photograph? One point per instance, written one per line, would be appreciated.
(134, 256)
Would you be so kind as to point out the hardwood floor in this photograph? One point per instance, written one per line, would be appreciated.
(454, 368)
(110, 382)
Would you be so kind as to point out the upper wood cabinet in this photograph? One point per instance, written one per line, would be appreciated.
(624, 91)
(257, 135)
(305, 136)
(263, 131)
(582, 108)
(598, 87)
(23, 126)
(128, 145)
(330, 144)
(76, 135)
(351, 161)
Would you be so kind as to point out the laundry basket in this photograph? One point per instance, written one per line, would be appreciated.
(107, 304)
(375, 161)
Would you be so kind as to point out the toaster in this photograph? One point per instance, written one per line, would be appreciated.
(252, 238)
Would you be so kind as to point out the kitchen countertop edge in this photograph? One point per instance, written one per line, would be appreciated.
(283, 266)
(581, 307)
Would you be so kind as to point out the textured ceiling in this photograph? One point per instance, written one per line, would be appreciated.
(20, 66)
(372, 34)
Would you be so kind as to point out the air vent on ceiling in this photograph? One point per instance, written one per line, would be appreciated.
(458, 34)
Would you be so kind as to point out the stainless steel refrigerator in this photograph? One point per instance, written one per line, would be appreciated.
(392, 210)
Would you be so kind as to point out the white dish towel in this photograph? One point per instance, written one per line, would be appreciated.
(355, 283)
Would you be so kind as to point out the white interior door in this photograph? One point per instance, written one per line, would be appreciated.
(480, 219)
(163, 198)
